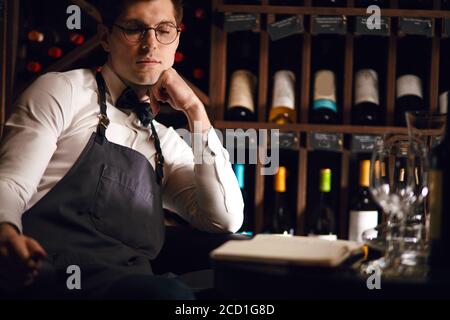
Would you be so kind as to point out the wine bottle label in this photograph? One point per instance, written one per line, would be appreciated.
(443, 102)
(435, 202)
(366, 86)
(284, 89)
(361, 221)
(242, 88)
(409, 85)
(325, 90)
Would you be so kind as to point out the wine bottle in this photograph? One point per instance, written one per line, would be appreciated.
(36, 36)
(364, 212)
(34, 67)
(323, 215)
(415, 4)
(409, 97)
(241, 105)
(281, 215)
(55, 52)
(76, 39)
(239, 171)
(324, 108)
(366, 109)
(283, 98)
(443, 102)
(439, 204)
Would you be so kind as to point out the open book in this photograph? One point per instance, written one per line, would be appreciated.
(288, 250)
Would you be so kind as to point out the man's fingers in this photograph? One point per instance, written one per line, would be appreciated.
(36, 249)
(4, 252)
(20, 249)
(154, 103)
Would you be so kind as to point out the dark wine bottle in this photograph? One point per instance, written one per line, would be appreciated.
(366, 109)
(364, 212)
(323, 215)
(324, 108)
(326, 60)
(283, 98)
(439, 205)
(281, 215)
(241, 105)
(409, 97)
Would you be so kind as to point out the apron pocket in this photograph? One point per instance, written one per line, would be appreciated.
(125, 209)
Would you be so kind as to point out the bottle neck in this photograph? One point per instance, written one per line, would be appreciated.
(325, 197)
(280, 180)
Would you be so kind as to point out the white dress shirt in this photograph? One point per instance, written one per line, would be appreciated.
(52, 123)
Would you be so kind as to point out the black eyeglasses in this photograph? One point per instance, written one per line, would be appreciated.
(165, 32)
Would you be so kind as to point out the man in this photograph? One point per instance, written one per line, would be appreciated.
(83, 178)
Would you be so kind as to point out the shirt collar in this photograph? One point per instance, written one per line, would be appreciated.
(114, 84)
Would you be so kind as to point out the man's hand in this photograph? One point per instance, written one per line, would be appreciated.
(172, 89)
(20, 258)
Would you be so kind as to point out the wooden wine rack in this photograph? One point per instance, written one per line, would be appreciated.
(218, 85)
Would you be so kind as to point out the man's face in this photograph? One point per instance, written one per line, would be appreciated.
(131, 61)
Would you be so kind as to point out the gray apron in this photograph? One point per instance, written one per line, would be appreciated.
(105, 215)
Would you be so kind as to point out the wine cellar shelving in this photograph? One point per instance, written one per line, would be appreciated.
(392, 50)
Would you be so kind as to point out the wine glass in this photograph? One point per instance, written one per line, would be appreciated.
(397, 181)
(429, 128)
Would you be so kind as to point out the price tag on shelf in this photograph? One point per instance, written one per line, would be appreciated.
(362, 27)
(446, 27)
(240, 22)
(287, 140)
(326, 141)
(363, 142)
(416, 26)
(329, 24)
(285, 28)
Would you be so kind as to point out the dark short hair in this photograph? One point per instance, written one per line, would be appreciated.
(110, 10)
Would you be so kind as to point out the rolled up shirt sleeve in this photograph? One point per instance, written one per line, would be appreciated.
(29, 141)
(201, 186)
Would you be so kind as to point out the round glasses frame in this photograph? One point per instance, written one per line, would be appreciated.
(145, 30)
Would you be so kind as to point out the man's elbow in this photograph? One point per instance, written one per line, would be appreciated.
(233, 224)
(232, 220)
